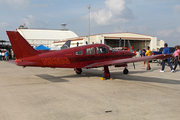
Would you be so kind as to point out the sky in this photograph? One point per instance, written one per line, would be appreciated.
(159, 18)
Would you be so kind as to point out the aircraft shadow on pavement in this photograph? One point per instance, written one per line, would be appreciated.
(115, 75)
(129, 77)
(144, 79)
(62, 78)
(142, 71)
(52, 78)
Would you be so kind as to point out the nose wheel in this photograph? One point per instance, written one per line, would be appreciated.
(125, 71)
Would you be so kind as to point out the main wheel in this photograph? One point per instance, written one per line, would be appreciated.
(125, 71)
(78, 70)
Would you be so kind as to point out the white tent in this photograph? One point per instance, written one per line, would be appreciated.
(54, 47)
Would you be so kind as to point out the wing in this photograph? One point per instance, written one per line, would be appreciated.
(127, 60)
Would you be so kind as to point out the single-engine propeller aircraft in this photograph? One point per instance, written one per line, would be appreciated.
(86, 56)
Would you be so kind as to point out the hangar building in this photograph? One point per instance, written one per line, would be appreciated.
(45, 37)
(138, 41)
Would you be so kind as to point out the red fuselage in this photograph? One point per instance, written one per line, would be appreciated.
(77, 57)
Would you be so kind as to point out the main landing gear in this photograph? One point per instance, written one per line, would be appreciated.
(125, 71)
(107, 75)
(78, 70)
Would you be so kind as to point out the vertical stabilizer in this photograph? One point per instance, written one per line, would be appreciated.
(129, 46)
(20, 46)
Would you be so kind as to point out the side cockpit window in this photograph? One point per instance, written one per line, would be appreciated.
(90, 51)
(101, 50)
(79, 52)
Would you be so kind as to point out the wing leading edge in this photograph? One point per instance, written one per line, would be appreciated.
(127, 60)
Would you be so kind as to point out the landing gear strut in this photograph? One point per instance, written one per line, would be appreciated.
(78, 70)
(106, 74)
(125, 71)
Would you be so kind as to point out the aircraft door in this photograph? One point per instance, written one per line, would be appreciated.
(79, 58)
(90, 54)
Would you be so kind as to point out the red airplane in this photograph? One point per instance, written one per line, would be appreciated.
(87, 56)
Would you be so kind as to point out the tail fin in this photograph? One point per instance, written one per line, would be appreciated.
(129, 46)
(20, 46)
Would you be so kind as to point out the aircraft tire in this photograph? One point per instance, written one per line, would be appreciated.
(125, 71)
(78, 71)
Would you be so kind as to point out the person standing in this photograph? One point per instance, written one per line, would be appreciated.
(166, 50)
(7, 56)
(177, 56)
(12, 54)
(142, 55)
(148, 53)
(139, 53)
(2, 55)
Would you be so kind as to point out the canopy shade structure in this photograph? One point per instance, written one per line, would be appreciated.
(41, 47)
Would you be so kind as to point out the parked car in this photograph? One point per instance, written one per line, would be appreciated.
(172, 49)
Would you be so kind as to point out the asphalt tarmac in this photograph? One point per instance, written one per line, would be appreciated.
(60, 94)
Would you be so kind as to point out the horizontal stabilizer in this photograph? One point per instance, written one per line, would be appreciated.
(12, 61)
(25, 63)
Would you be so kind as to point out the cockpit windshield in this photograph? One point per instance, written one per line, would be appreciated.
(111, 49)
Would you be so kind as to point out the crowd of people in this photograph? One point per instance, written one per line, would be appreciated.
(145, 52)
(166, 50)
(176, 55)
(4, 55)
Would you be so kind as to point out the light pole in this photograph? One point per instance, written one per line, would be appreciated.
(89, 6)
